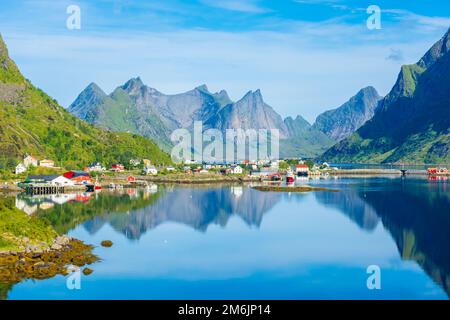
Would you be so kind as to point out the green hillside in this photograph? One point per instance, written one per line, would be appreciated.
(412, 123)
(32, 122)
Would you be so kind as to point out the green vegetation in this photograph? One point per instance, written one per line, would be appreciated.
(15, 224)
(32, 122)
(411, 74)
(413, 123)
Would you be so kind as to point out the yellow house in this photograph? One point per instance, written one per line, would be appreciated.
(47, 163)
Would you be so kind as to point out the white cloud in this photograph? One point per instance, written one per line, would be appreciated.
(295, 74)
(247, 6)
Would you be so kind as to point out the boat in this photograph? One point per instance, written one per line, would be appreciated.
(112, 185)
(275, 177)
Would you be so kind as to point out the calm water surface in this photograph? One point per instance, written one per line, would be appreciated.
(233, 242)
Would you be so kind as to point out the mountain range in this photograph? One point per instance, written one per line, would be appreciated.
(137, 108)
(412, 123)
(31, 122)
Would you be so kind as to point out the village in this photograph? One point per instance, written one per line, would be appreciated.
(93, 176)
(137, 172)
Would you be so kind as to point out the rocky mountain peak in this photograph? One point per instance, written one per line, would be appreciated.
(202, 88)
(438, 50)
(253, 96)
(87, 100)
(133, 85)
(9, 73)
(341, 122)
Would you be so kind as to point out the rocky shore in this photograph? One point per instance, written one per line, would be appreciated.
(41, 260)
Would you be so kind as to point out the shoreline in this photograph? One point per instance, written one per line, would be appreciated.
(44, 261)
(180, 178)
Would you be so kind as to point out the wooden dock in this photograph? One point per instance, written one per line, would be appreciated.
(44, 189)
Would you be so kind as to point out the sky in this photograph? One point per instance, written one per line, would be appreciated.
(306, 56)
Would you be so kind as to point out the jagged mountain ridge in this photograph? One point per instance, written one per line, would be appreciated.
(137, 108)
(341, 122)
(412, 123)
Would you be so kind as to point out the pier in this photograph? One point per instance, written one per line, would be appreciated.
(44, 189)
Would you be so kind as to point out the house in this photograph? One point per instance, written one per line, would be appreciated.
(95, 167)
(20, 168)
(117, 167)
(49, 179)
(203, 171)
(226, 171)
(146, 162)
(30, 161)
(135, 162)
(47, 163)
(62, 181)
(237, 170)
(275, 164)
(170, 169)
(151, 170)
(79, 177)
(301, 170)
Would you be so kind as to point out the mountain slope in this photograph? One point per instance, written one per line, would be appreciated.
(32, 122)
(251, 112)
(342, 122)
(137, 108)
(412, 122)
(304, 140)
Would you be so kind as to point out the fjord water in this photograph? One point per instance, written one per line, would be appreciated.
(233, 242)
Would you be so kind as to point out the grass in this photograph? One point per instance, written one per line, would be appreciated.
(15, 224)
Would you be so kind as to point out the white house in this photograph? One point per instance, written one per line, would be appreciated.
(96, 167)
(150, 170)
(62, 181)
(30, 161)
(20, 168)
(170, 169)
(237, 170)
(135, 162)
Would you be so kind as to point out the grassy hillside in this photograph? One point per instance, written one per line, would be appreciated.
(32, 122)
(412, 124)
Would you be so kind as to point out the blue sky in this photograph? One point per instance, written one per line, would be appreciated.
(306, 56)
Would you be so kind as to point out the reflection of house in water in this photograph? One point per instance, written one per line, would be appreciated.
(149, 190)
(62, 197)
(26, 207)
(31, 204)
(237, 191)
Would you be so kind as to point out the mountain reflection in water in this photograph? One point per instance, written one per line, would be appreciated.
(414, 212)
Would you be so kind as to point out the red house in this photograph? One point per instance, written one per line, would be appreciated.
(118, 167)
(78, 177)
